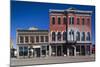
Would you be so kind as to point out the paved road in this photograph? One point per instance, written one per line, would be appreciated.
(50, 60)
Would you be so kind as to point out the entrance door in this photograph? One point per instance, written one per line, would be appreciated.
(37, 51)
(58, 50)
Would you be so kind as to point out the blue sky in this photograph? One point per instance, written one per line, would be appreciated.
(29, 14)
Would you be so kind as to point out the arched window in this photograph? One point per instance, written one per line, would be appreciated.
(64, 20)
(59, 36)
(59, 20)
(83, 36)
(71, 20)
(53, 20)
(64, 35)
(53, 36)
(78, 36)
(88, 36)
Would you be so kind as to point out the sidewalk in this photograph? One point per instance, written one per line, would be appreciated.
(51, 60)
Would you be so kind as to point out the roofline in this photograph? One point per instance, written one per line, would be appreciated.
(80, 11)
(21, 30)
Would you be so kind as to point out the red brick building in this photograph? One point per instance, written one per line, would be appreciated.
(70, 32)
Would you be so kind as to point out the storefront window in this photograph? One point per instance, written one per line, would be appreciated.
(25, 51)
(21, 51)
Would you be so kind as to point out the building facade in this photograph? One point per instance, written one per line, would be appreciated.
(70, 32)
(32, 43)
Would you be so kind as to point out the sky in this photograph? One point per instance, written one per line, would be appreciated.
(36, 14)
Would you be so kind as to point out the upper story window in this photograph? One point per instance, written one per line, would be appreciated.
(53, 36)
(71, 20)
(83, 36)
(37, 38)
(59, 20)
(46, 38)
(32, 39)
(59, 36)
(78, 21)
(64, 35)
(64, 20)
(53, 20)
(21, 39)
(78, 36)
(42, 38)
(88, 21)
(26, 39)
(88, 36)
(83, 21)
